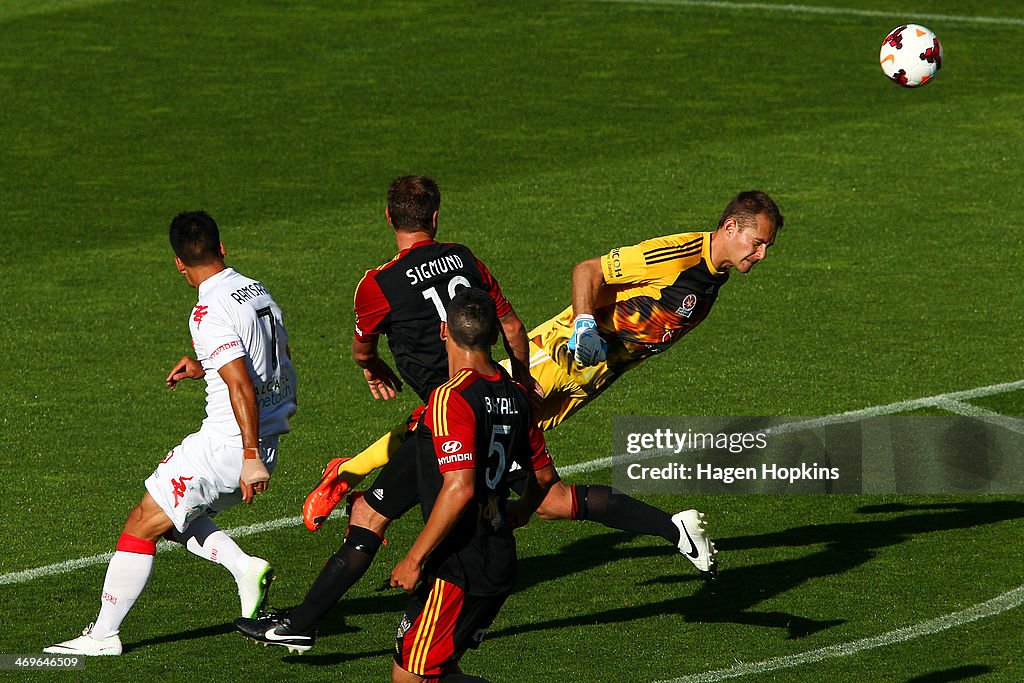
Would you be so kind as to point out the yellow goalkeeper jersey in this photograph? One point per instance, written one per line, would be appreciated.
(663, 288)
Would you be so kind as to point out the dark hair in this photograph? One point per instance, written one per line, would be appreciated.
(195, 238)
(746, 206)
(412, 202)
(473, 319)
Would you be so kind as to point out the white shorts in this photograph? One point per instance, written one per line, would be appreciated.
(200, 476)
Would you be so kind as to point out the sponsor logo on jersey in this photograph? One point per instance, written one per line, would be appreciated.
(224, 347)
(616, 260)
(198, 313)
(452, 446)
(686, 308)
(455, 457)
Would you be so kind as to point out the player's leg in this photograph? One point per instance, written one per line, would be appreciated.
(392, 494)
(616, 510)
(127, 575)
(566, 395)
(344, 568)
(343, 474)
(252, 574)
(203, 538)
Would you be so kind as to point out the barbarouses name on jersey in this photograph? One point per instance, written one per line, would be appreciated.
(501, 405)
(434, 267)
(249, 292)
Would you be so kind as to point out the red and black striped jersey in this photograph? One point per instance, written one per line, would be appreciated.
(405, 300)
(484, 424)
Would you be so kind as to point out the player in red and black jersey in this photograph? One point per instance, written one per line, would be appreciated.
(476, 429)
(404, 300)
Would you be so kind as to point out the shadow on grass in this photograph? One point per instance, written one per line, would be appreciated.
(731, 598)
(960, 673)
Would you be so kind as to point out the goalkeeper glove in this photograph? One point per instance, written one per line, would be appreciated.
(586, 343)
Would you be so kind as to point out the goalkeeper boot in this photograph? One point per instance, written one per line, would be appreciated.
(276, 629)
(254, 586)
(86, 645)
(326, 495)
(694, 543)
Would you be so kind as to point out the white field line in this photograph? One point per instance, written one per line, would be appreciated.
(17, 10)
(989, 608)
(161, 547)
(898, 17)
(940, 400)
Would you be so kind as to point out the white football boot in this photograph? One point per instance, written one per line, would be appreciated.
(254, 587)
(87, 646)
(694, 542)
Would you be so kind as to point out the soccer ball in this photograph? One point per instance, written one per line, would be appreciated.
(911, 55)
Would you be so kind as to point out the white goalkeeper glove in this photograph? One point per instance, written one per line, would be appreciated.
(586, 343)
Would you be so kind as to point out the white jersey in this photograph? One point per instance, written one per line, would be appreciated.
(236, 317)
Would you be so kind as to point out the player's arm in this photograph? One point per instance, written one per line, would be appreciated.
(372, 309)
(455, 496)
(517, 345)
(519, 511)
(383, 382)
(587, 285)
(254, 477)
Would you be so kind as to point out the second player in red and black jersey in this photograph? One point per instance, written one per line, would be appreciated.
(476, 430)
(482, 423)
(405, 299)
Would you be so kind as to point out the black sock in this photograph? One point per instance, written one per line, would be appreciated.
(616, 510)
(340, 573)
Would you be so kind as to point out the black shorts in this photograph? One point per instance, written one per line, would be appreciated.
(440, 623)
(395, 490)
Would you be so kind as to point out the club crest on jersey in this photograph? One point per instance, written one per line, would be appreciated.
(453, 446)
(198, 313)
(686, 308)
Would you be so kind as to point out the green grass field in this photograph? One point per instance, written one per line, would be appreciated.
(557, 130)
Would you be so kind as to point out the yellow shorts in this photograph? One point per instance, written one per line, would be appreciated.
(564, 392)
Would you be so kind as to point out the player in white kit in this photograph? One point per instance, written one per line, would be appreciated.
(241, 349)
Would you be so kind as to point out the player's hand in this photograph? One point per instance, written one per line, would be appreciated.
(254, 478)
(186, 368)
(406, 574)
(383, 382)
(586, 343)
(534, 394)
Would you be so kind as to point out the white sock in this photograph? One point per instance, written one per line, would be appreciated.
(204, 539)
(127, 575)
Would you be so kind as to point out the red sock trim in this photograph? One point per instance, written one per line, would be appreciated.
(133, 544)
(574, 510)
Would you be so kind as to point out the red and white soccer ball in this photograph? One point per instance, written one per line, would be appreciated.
(911, 55)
